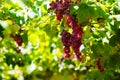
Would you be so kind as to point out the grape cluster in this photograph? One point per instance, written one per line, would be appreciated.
(99, 66)
(61, 7)
(17, 39)
(69, 40)
(65, 39)
(74, 40)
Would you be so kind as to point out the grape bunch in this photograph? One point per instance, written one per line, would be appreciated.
(17, 39)
(65, 40)
(74, 40)
(99, 66)
(69, 40)
(61, 8)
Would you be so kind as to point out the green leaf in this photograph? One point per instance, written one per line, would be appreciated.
(114, 60)
(39, 2)
(10, 59)
(14, 28)
(25, 37)
(20, 60)
(28, 2)
(115, 27)
(97, 49)
(87, 32)
(13, 78)
(72, 10)
(101, 49)
(62, 26)
(114, 40)
(85, 11)
(94, 75)
(34, 9)
(98, 13)
(111, 1)
(45, 7)
(67, 61)
(107, 50)
(0, 77)
(27, 59)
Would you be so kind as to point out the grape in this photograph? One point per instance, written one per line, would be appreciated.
(11, 35)
(53, 5)
(79, 58)
(99, 66)
(65, 37)
(17, 39)
(66, 50)
(18, 50)
(75, 46)
(68, 20)
(77, 32)
(66, 55)
(59, 16)
(61, 7)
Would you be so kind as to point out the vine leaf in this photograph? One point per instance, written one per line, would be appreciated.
(86, 12)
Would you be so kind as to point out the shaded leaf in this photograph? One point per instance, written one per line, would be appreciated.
(1, 31)
(114, 40)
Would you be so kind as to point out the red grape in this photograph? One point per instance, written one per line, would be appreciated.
(17, 39)
(99, 66)
(66, 55)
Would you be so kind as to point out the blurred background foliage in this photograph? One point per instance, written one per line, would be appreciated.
(39, 57)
